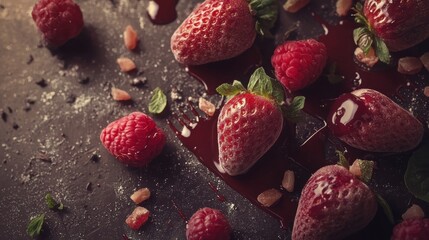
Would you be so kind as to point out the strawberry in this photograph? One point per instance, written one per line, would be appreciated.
(370, 121)
(411, 229)
(249, 123)
(297, 64)
(137, 218)
(333, 204)
(134, 139)
(208, 224)
(391, 25)
(221, 29)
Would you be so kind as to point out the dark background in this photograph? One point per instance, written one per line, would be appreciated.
(48, 142)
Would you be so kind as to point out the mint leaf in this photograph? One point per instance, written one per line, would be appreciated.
(386, 207)
(52, 204)
(293, 111)
(342, 160)
(417, 173)
(158, 101)
(382, 51)
(260, 83)
(35, 225)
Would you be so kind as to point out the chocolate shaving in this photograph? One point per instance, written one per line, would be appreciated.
(42, 83)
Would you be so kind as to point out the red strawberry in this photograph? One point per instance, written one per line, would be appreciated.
(208, 224)
(394, 24)
(249, 123)
(333, 204)
(137, 218)
(134, 139)
(221, 29)
(297, 64)
(411, 229)
(368, 120)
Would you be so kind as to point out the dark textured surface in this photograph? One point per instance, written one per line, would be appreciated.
(49, 132)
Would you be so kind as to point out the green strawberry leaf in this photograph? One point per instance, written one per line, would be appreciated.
(363, 38)
(382, 51)
(260, 83)
(342, 160)
(293, 111)
(278, 92)
(158, 101)
(366, 168)
(417, 173)
(35, 225)
(229, 90)
(266, 12)
(386, 207)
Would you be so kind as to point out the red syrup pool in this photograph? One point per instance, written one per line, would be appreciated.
(306, 157)
(162, 12)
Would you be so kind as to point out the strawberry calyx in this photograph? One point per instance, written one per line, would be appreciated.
(365, 38)
(265, 12)
(259, 83)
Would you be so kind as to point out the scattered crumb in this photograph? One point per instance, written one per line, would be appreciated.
(426, 91)
(369, 59)
(130, 38)
(343, 7)
(206, 106)
(126, 64)
(294, 6)
(409, 65)
(415, 211)
(425, 60)
(288, 181)
(120, 95)
(140, 195)
(269, 197)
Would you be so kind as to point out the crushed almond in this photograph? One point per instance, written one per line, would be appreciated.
(269, 197)
(140, 195)
(426, 91)
(425, 60)
(288, 181)
(294, 6)
(130, 38)
(126, 64)
(120, 95)
(343, 7)
(409, 65)
(415, 211)
(206, 106)
(369, 59)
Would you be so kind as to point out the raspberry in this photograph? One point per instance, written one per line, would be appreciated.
(415, 228)
(134, 139)
(297, 64)
(208, 224)
(58, 20)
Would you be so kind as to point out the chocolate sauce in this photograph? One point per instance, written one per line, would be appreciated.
(162, 12)
(286, 153)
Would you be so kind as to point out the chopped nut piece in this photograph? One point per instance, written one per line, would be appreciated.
(288, 182)
(343, 7)
(294, 6)
(415, 211)
(426, 91)
(120, 95)
(126, 64)
(355, 169)
(130, 37)
(137, 218)
(269, 197)
(409, 65)
(206, 106)
(369, 59)
(425, 60)
(140, 195)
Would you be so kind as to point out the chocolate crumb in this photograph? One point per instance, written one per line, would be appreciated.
(3, 115)
(42, 83)
(89, 186)
(94, 157)
(10, 109)
(138, 81)
(15, 126)
(27, 107)
(83, 80)
(30, 59)
(71, 98)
